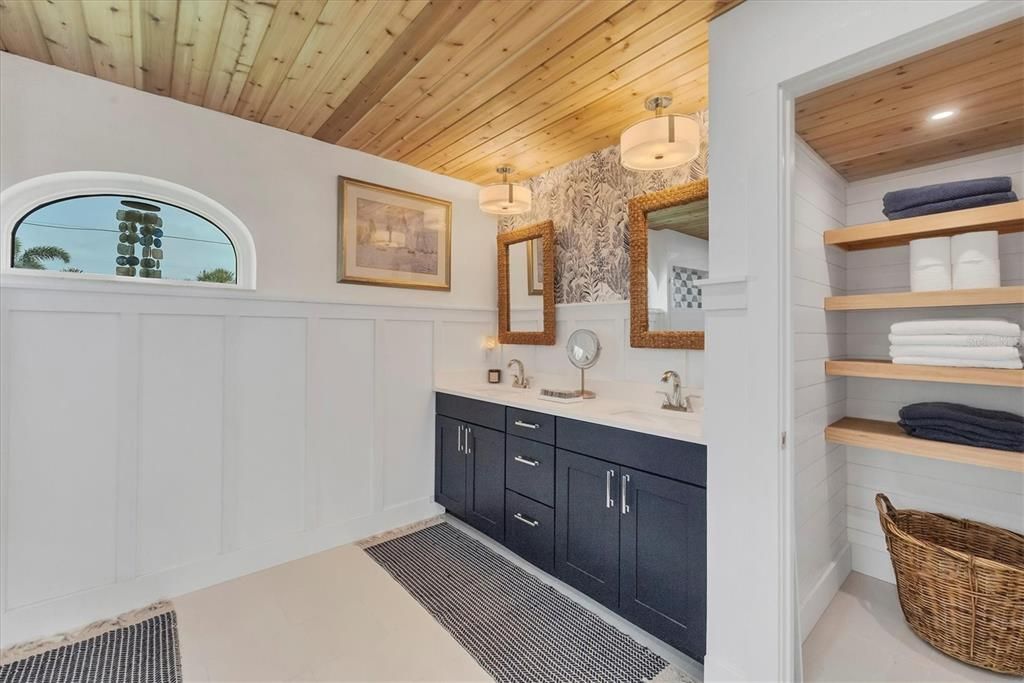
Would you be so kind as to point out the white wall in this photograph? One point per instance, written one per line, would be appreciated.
(155, 439)
(629, 373)
(823, 552)
(283, 186)
(761, 55)
(992, 496)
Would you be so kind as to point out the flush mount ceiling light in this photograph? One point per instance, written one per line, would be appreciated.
(662, 142)
(939, 115)
(505, 198)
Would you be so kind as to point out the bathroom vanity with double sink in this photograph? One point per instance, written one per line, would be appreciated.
(608, 499)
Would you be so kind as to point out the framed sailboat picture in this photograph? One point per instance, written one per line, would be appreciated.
(393, 238)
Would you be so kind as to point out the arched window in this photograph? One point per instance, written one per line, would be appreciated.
(76, 224)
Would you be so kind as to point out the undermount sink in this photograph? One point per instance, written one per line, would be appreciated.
(655, 416)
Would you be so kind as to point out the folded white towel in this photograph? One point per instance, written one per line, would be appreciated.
(1001, 328)
(958, 362)
(965, 352)
(954, 340)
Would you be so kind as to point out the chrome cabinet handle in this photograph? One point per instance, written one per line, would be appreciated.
(526, 461)
(526, 520)
(459, 449)
(528, 425)
(469, 432)
(625, 505)
(608, 502)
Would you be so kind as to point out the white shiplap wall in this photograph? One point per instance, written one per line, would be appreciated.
(992, 496)
(823, 553)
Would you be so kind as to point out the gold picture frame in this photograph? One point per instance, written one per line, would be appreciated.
(545, 231)
(393, 238)
(640, 334)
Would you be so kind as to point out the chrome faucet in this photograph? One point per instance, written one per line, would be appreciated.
(674, 398)
(519, 378)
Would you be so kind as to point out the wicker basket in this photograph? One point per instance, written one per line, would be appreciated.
(961, 585)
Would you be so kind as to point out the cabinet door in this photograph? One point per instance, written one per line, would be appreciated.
(587, 525)
(450, 466)
(664, 559)
(485, 487)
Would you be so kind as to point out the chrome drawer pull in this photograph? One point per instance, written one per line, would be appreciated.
(526, 520)
(526, 461)
(625, 505)
(528, 425)
(608, 502)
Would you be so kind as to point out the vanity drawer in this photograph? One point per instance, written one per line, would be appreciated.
(469, 410)
(530, 469)
(530, 530)
(531, 425)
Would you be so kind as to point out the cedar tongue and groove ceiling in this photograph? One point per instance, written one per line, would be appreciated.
(453, 86)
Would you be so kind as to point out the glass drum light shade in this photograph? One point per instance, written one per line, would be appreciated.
(505, 199)
(661, 142)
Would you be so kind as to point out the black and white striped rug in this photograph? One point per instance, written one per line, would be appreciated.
(145, 651)
(518, 628)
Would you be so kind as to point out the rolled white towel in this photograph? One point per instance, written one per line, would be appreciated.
(958, 362)
(1000, 328)
(964, 352)
(953, 340)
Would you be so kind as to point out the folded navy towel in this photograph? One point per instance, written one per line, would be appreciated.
(953, 205)
(964, 428)
(997, 420)
(948, 436)
(900, 200)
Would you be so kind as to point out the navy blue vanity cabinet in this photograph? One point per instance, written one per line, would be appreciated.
(663, 558)
(617, 514)
(630, 527)
(450, 466)
(469, 462)
(587, 526)
(485, 483)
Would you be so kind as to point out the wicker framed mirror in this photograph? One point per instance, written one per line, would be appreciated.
(526, 285)
(668, 255)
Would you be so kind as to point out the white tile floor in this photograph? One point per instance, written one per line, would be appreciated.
(863, 637)
(337, 616)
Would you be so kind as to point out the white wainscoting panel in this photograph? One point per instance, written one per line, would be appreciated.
(271, 400)
(179, 441)
(340, 410)
(60, 490)
(157, 444)
(406, 408)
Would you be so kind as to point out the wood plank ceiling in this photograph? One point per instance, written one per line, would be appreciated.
(453, 86)
(879, 123)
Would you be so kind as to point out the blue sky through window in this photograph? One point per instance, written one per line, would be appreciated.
(87, 228)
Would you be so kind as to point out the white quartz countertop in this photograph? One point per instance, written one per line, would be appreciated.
(611, 412)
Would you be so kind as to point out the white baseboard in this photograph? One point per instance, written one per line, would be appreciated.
(819, 597)
(74, 611)
(719, 671)
(874, 563)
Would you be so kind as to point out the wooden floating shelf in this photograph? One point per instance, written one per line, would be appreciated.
(994, 296)
(883, 369)
(888, 436)
(1005, 218)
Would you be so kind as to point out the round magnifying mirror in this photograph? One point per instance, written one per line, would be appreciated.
(583, 349)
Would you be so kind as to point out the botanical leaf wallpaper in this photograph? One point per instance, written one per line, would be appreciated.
(587, 200)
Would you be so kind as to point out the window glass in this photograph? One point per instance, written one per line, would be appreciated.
(131, 237)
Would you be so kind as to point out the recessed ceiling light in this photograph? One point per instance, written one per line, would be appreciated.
(939, 115)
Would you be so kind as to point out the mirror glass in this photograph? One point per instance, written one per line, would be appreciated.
(677, 256)
(583, 349)
(526, 286)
